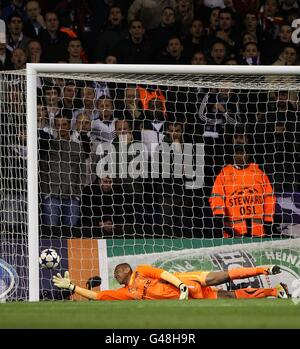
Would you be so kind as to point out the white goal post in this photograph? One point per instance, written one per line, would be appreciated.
(225, 74)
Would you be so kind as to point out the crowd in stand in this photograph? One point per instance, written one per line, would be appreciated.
(149, 31)
(77, 118)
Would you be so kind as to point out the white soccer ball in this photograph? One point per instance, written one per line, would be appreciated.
(49, 258)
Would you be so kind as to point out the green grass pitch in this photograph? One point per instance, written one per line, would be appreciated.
(195, 314)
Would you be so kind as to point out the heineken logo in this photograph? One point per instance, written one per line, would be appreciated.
(285, 257)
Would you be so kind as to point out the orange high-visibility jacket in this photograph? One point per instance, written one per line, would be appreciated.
(243, 196)
(71, 33)
(146, 96)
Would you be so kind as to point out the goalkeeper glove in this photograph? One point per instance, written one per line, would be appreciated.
(64, 282)
(184, 292)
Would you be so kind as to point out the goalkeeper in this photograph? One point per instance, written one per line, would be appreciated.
(149, 283)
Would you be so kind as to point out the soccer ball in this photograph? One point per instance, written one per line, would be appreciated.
(49, 258)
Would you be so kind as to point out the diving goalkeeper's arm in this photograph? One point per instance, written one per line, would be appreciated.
(158, 273)
(172, 279)
(66, 283)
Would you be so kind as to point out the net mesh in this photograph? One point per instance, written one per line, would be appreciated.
(13, 210)
(141, 160)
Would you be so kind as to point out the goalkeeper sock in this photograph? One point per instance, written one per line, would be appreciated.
(241, 273)
(255, 292)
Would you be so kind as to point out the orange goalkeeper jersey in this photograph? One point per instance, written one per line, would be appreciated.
(146, 283)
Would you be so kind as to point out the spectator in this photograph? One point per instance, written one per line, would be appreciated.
(242, 200)
(15, 6)
(257, 125)
(250, 54)
(195, 40)
(154, 126)
(185, 14)
(231, 61)
(18, 59)
(127, 181)
(217, 53)
(103, 128)
(34, 51)
(288, 56)
(5, 62)
(152, 135)
(176, 221)
(247, 37)
(63, 179)
(132, 111)
(149, 93)
(35, 22)
(167, 29)
(101, 213)
(43, 120)
(123, 129)
(88, 18)
(280, 143)
(112, 34)
(273, 48)
(240, 136)
(288, 7)
(15, 36)
(69, 102)
(294, 14)
(251, 24)
(51, 94)
(54, 42)
(214, 3)
(74, 52)
(174, 52)
(136, 49)
(148, 11)
(213, 21)
(285, 33)
(88, 100)
(218, 109)
(226, 30)
(102, 89)
(199, 58)
(237, 134)
(243, 7)
(131, 183)
(268, 20)
(65, 11)
(82, 135)
(110, 59)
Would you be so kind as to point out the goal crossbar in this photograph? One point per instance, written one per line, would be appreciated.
(162, 69)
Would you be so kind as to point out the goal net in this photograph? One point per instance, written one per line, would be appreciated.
(184, 168)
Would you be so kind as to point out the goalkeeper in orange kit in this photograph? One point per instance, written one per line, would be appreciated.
(149, 283)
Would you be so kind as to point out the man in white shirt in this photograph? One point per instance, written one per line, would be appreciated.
(153, 132)
(103, 128)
